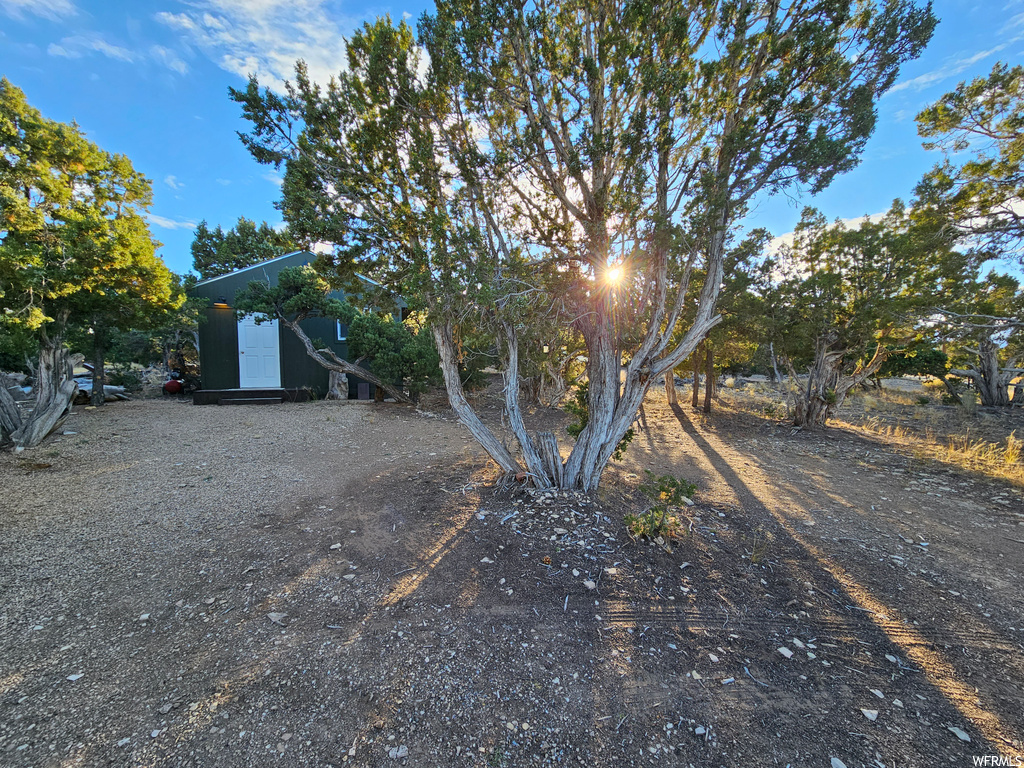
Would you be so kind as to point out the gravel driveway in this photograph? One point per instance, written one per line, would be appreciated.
(339, 583)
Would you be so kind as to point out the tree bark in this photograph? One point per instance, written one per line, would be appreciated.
(709, 373)
(953, 394)
(670, 388)
(695, 396)
(54, 390)
(552, 386)
(444, 339)
(337, 387)
(826, 387)
(10, 416)
(335, 363)
(541, 470)
(991, 381)
(775, 363)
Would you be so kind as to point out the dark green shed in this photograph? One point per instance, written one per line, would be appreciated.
(239, 354)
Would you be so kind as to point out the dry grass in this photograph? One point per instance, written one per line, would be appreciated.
(950, 439)
(964, 437)
(996, 459)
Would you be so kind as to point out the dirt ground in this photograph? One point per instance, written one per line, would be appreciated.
(340, 583)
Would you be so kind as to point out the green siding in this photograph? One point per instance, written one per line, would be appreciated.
(218, 336)
(218, 349)
(300, 370)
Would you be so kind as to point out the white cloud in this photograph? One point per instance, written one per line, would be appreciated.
(54, 10)
(266, 37)
(1013, 22)
(951, 69)
(169, 59)
(274, 178)
(224, 182)
(173, 183)
(166, 223)
(76, 46)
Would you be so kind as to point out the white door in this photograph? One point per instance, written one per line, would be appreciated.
(259, 354)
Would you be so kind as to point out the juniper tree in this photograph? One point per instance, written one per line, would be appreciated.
(845, 297)
(575, 159)
(981, 196)
(74, 249)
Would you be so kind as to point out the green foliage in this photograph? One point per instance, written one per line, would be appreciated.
(576, 406)
(652, 524)
(540, 143)
(990, 311)
(858, 286)
(665, 493)
(394, 352)
(665, 490)
(916, 360)
(980, 195)
(75, 249)
(17, 346)
(125, 376)
(216, 252)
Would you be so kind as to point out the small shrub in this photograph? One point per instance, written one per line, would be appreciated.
(128, 378)
(922, 400)
(1011, 453)
(760, 545)
(665, 493)
(652, 524)
(666, 490)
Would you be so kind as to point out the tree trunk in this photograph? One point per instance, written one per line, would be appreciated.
(552, 386)
(335, 363)
(826, 388)
(992, 382)
(54, 390)
(10, 416)
(99, 371)
(775, 363)
(337, 386)
(695, 396)
(670, 388)
(541, 469)
(953, 394)
(445, 341)
(709, 373)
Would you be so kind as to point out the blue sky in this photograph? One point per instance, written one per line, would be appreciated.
(149, 79)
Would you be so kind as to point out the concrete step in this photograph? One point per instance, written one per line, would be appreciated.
(218, 396)
(250, 401)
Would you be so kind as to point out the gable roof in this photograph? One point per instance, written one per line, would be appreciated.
(225, 286)
(276, 259)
